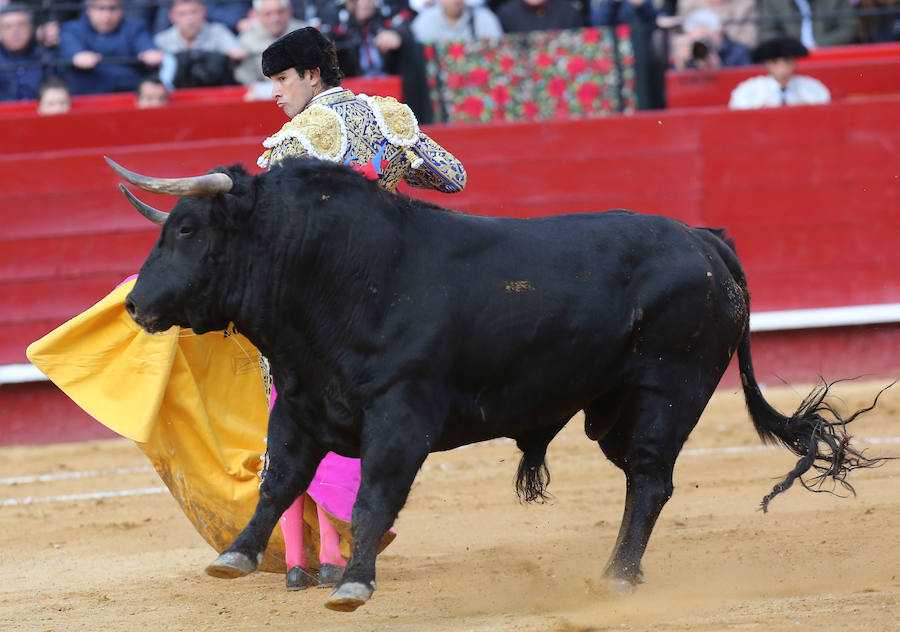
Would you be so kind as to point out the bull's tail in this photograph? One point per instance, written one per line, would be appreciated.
(816, 432)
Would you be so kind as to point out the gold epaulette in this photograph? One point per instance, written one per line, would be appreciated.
(318, 129)
(395, 120)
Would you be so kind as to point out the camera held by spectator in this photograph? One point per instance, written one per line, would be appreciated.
(705, 46)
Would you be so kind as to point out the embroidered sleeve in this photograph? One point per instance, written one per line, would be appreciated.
(433, 167)
(317, 131)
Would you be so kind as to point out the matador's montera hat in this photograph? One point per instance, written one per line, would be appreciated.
(303, 49)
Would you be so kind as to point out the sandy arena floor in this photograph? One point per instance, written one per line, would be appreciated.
(468, 556)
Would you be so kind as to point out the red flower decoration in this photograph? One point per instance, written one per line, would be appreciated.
(455, 81)
(603, 65)
(623, 31)
(507, 63)
(576, 65)
(455, 51)
(556, 87)
(543, 60)
(500, 94)
(429, 53)
(478, 76)
(472, 106)
(529, 109)
(590, 36)
(587, 93)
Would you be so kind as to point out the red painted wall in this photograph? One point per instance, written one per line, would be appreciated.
(810, 195)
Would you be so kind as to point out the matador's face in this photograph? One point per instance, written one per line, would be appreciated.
(292, 92)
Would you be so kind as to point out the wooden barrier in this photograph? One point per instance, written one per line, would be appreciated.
(809, 194)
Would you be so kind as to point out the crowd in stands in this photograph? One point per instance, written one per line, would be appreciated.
(99, 46)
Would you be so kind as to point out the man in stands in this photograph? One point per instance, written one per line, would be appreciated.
(453, 21)
(20, 55)
(203, 51)
(782, 86)
(108, 53)
(271, 20)
(518, 16)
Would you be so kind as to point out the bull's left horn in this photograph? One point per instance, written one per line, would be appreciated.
(154, 215)
(206, 185)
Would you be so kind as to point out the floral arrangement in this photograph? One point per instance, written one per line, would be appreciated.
(531, 76)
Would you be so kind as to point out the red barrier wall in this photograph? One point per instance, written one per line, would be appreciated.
(809, 194)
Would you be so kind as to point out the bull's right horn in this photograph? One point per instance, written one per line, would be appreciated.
(205, 185)
(154, 215)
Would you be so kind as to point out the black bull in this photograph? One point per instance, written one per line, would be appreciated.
(396, 328)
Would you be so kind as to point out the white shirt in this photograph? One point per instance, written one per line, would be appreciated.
(765, 92)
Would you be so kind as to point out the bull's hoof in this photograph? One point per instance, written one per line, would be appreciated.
(330, 574)
(620, 586)
(231, 564)
(349, 596)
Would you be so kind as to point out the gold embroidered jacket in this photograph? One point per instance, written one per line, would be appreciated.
(355, 129)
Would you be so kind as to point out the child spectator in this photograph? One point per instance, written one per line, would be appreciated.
(151, 93)
(781, 86)
(53, 97)
(108, 52)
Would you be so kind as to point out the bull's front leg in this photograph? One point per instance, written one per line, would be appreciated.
(397, 438)
(293, 459)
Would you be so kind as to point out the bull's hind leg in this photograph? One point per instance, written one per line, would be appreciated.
(397, 439)
(293, 459)
(644, 440)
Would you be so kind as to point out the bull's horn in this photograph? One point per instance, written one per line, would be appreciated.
(154, 215)
(209, 184)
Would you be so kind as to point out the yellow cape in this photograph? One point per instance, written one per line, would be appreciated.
(195, 404)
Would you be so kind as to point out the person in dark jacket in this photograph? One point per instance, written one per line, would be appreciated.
(517, 16)
(21, 72)
(107, 52)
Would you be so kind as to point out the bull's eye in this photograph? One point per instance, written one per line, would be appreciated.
(186, 230)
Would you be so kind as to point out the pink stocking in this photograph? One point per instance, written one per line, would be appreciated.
(329, 541)
(292, 529)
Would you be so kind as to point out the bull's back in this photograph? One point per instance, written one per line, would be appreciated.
(544, 314)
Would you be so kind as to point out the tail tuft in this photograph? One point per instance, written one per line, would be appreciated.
(816, 433)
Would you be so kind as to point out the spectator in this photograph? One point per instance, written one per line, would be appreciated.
(47, 16)
(781, 86)
(20, 55)
(704, 44)
(199, 53)
(372, 44)
(517, 16)
(272, 19)
(53, 97)
(883, 27)
(452, 20)
(235, 14)
(108, 53)
(615, 12)
(737, 16)
(787, 18)
(151, 93)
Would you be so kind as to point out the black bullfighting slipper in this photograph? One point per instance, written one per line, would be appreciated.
(330, 574)
(298, 578)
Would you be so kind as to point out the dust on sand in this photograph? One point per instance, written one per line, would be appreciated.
(469, 557)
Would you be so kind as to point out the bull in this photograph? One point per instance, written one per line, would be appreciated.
(396, 328)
